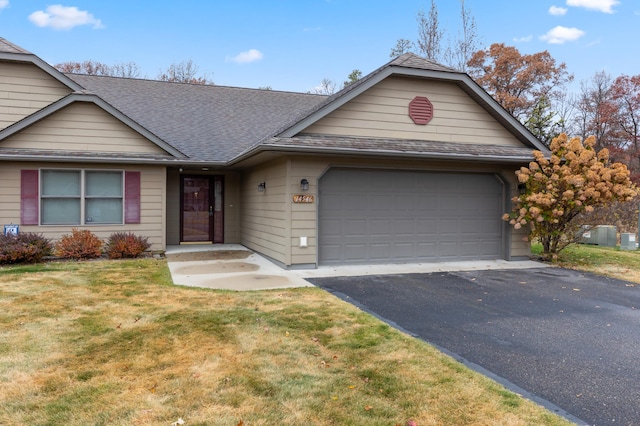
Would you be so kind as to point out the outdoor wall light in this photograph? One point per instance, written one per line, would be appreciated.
(522, 188)
(304, 185)
(262, 186)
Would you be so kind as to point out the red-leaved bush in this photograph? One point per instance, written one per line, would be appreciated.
(81, 244)
(121, 245)
(23, 248)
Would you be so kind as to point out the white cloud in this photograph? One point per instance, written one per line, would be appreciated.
(4, 4)
(604, 6)
(557, 11)
(559, 35)
(250, 55)
(61, 17)
(523, 39)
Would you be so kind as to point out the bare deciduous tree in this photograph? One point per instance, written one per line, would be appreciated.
(326, 87)
(461, 50)
(597, 112)
(183, 72)
(89, 67)
(126, 70)
(429, 33)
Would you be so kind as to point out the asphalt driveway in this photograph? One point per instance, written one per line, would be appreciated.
(566, 337)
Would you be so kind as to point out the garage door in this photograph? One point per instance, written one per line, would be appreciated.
(374, 216)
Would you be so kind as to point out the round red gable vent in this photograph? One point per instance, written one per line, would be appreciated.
(421, 110)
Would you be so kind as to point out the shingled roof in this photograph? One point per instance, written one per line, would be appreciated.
(7, 47)
(207, 123)
(223, 125)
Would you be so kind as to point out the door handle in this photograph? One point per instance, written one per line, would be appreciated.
(210, 210)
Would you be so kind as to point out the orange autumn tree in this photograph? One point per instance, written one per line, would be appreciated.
(574, 179)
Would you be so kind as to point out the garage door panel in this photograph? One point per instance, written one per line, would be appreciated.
(449, 227)
(331, 227)
(404, 251)
(426, 203)
(376, 216)
(448, 249)
(490, 246)
(331, 253)
(470, 248)
(426, 227)
(355, 252)
(352, 202)
(471, 226)
(380, 227)
(380, 251)
(448, 202)
(404, 227)
(378, 202)
(355, 227)
(427, 250)
(490, 227)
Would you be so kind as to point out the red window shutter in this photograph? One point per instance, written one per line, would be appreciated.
(131, 197)
(29, 197)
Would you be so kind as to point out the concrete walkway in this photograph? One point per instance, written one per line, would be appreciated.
(234, 267)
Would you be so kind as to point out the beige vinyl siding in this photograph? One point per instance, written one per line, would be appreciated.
(304, 215)
(231, 206)
(152, 202)
(520, 245)
(264, 218)
(81, 126)
(25, 89)
(383, 112)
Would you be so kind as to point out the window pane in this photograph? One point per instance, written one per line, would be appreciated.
(60, 211)
(103, 210)
(61, 183)
(103, 184)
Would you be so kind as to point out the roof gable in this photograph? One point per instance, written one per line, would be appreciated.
(410, 65)
(81, 98)
(383, 111)
(11, 52)
(24, 89)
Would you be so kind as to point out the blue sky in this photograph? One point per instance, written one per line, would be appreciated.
(294, 44)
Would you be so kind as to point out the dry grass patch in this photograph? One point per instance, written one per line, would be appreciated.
(113, 342)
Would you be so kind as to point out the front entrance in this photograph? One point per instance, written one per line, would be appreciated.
(201, 217)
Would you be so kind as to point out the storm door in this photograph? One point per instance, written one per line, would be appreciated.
(201, 209)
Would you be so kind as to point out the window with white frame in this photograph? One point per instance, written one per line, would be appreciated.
(81, 197)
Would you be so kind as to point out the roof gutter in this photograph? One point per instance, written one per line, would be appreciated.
(379, 153)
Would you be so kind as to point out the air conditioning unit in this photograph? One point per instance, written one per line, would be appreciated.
(628, 242)
(601, 235)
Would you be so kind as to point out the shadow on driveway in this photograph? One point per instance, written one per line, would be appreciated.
(566, 337)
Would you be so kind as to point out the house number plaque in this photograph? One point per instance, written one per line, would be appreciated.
(303, 198)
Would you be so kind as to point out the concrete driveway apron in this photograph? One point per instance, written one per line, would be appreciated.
(566, 337)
